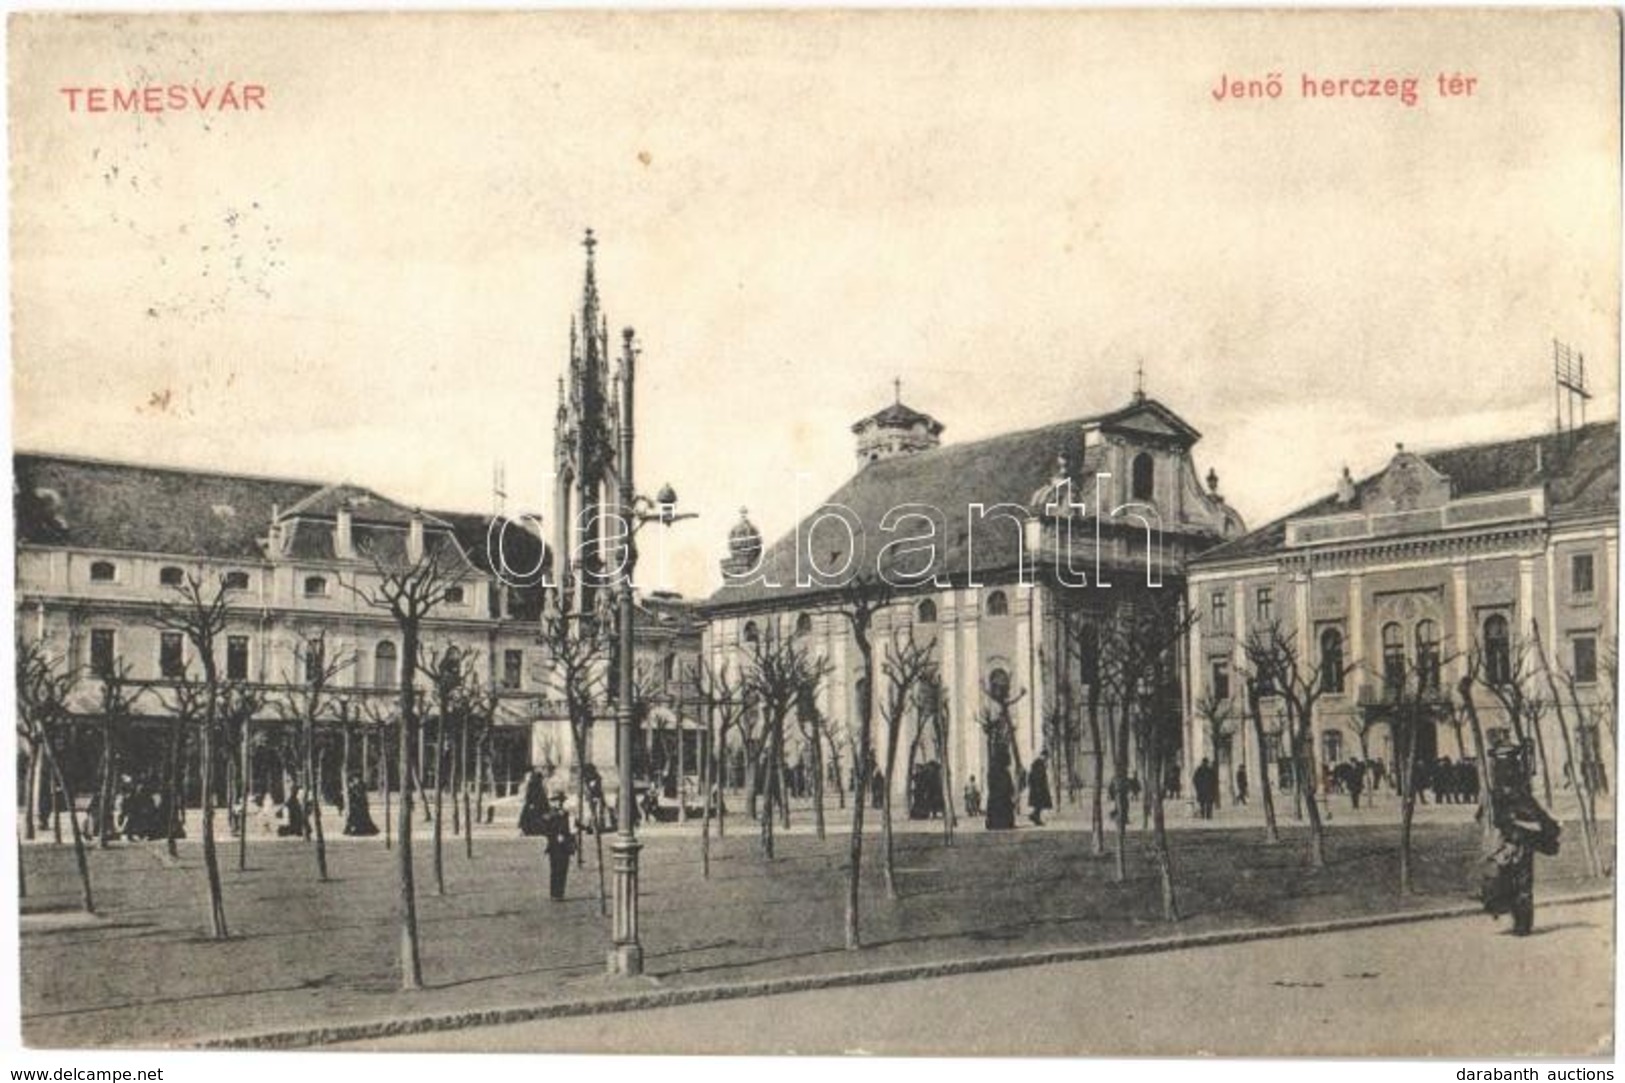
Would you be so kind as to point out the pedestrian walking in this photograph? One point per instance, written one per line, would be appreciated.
(560, 845)
(1524, 829)
(1241, 785)
(973, 798)
(1354, 782)
(533, 809)
(1205, 781)
(357, 816)
(1039, 800)
(292, 814)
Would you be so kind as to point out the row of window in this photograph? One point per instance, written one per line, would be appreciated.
(172, 659)
(105, 571)
(997, 605)
(1582, 583)
(1497, 650)
(315, 586)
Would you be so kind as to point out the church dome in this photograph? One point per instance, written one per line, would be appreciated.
(744, 540)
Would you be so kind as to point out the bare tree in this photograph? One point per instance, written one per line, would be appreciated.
(43, 690)
(1266, 794)
(1080, 655)
(119, 699)
(931, 703)
(577, 645)
(199, 615)
(858, 602)
(1410, 702)
(1510, 676)
(409, 590)
(310, 702)
(381, 717)
(1277, 668)
(1139, 653)
(1577, 777)
(1473, 674)
(779, 674)
(906, 664)
(721, 696)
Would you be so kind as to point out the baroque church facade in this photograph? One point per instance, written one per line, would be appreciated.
(1006, 537)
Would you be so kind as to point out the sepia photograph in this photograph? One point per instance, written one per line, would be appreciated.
(921, 533)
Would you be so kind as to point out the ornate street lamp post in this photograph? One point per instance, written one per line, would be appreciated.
(626, 952)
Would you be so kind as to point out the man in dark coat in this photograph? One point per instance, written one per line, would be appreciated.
(560, 845)
(1038, 795)
(293, 813)
(1001, 793)
(533, 811)
(1205, 781)
(357, 816)
(1241, 785)
(1525, 829)
(1354, 781)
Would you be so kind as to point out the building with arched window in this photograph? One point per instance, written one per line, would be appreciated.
(1002, 562)
(1439, 561)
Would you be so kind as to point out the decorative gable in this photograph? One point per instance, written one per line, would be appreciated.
(1408, 484)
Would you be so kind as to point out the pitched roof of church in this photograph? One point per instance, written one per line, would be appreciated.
(1579, 470)
(1004, 469)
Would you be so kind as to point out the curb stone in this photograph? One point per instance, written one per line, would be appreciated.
(669, 998)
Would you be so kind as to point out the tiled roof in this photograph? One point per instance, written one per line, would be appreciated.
(1580, 472)
(94, 504)
(1005, 469)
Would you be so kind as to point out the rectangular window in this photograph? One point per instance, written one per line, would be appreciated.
(101, 651)
(1583, 573)
(1332, 746)
(513, 669)
(1221, 608)
(1221, 678)
(236, 658)
(1585, 659)
(314, 661)
(171, 655)
(1266, 605)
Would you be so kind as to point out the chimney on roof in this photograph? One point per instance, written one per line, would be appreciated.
(343, 545)
(1345, 487)
(414, 537)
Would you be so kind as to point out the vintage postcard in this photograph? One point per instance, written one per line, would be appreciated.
(1089, 533)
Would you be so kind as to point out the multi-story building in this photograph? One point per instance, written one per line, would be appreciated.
(989, 543)
(103, 547)
(1441, 560)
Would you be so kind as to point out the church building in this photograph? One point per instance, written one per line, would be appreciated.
(988, 544)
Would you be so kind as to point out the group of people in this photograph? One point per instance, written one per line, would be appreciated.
(140, 812)
(925, 791)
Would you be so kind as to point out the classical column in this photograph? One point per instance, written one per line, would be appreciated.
(970, 687)
(1526, 596)
(1028, 625)
(1355, 653)
(1464, 636)
(948, 654)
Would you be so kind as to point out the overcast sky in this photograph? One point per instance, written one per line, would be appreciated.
(372, 279)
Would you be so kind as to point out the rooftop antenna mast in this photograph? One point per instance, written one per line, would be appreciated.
(499, 489)
(1569, 375)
